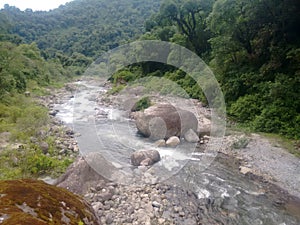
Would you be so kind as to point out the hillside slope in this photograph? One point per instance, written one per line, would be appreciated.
(88, 27)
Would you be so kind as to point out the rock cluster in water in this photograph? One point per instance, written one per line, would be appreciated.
(163, 121)
(131, 204)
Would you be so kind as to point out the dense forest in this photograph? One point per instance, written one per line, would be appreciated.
(88, 27)
(253, 47)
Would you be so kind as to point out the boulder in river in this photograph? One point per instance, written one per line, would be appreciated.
(163, 121)
(173, 141)
(35, 202)
(145, 157)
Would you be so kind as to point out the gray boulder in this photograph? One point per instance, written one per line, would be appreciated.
(145, 157)
(163, 121)
(191, 136)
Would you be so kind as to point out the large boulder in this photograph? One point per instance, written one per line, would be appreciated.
(163, 121)
(145, 157)
(80, 177)
(35, 202)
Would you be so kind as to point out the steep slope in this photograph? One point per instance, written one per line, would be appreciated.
(88, 27)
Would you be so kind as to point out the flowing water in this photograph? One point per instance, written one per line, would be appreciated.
(108, 138)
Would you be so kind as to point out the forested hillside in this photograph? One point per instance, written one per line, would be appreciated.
(253, 47)
(88, 27)
(40, 51)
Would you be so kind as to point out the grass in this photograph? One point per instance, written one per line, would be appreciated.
(24, 119)
(276, 139)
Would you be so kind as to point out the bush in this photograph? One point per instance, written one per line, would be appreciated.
(246, 108)
(29, 163)
(32, 119)
(142, 104)
(116, 89)
(278, 119)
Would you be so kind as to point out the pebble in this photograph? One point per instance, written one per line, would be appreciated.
(156, 204)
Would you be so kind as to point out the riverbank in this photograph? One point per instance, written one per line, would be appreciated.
(171, 203)
(258, 155)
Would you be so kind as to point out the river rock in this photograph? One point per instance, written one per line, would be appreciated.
(173, 141)
(191, 136)
(245, 170)
(163, 121)
(160, 143)
(145, 157)
(79, 177)
(44, 147)
(35, 202)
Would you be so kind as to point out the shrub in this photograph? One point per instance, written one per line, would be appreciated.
(245, 108)
(142, 104)
(32, 119)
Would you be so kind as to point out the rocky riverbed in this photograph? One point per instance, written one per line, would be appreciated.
(169, 203)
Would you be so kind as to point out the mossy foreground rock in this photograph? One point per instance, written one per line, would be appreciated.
(37, 203)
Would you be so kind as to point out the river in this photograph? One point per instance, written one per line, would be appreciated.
(229, 197)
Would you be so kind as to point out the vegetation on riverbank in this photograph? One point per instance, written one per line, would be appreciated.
(24, 76)
(253, 48)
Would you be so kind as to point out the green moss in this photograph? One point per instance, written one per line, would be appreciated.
(47, 201)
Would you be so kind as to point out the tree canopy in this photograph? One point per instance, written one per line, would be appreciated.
(253, 47)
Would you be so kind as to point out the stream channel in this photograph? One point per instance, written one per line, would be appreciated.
(107, 139)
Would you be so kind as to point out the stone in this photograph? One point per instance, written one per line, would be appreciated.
(97, 205)
(173, 141)
(79, 177)
(163, 121)
(244, 170)
(160, 143)
(146, 162)
(191, 136)
(161, 221)
(53, 112)
(145, 157)
(44, 147)
(105, 196)
(109, 219)
(156, 204)
(35, 202)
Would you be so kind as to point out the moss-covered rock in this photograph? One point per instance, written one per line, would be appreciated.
(35, 202)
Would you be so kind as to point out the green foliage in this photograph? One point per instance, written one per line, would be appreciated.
(116, 89)
(253, 47)
(88, 27)
(22, 117)
(29, 163)
(182, 22)
(123, 76)
(251, 53)
(142, 104)
(32, 119)
(246, 108)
